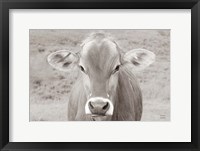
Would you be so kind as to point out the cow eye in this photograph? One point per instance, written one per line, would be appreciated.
(116, 69)
(82, 68)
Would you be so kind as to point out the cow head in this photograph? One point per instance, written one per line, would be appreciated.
(100, 61)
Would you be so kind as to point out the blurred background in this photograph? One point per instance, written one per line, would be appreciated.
(50, 88)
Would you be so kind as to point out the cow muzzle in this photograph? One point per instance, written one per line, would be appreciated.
(98, 106)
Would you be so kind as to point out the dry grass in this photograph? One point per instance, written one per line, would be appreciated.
(49, 88)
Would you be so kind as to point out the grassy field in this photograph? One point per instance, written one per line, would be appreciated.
(49, 88)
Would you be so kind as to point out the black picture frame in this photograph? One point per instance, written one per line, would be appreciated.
(5, 5)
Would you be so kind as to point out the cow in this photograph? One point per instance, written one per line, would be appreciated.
(106, 88)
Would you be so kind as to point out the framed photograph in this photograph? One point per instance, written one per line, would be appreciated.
(99, 75)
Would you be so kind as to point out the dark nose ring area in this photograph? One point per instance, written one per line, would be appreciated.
(98, 107)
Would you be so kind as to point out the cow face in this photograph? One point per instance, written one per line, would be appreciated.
(100, 62)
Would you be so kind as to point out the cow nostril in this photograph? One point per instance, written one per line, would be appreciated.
(106, 106)
(98, 107)
(90, 105)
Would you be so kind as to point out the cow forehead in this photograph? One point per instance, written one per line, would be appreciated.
(99, 47)
(99, 54)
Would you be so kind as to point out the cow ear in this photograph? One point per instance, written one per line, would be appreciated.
(63, 60)
(140, 58)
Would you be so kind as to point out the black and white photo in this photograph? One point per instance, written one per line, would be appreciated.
(99, 75)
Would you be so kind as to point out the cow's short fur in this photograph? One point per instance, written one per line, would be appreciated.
(107, 73)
